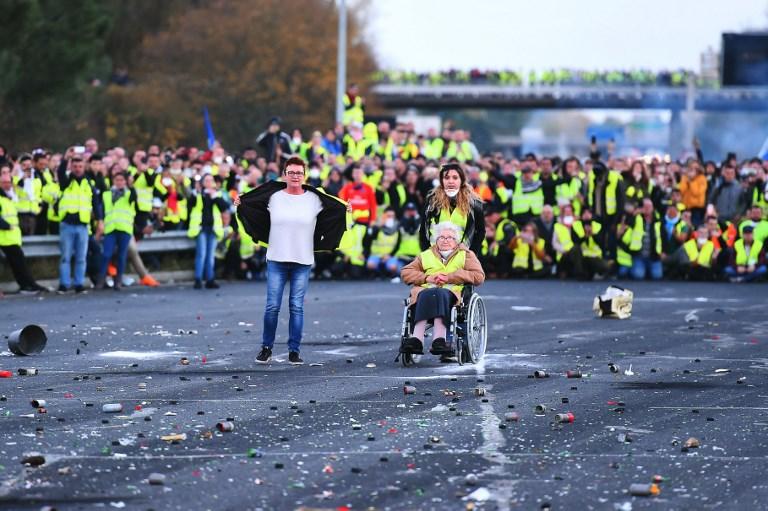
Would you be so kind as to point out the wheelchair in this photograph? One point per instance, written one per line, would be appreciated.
(467, 331)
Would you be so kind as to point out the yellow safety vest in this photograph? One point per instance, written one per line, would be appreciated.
(77, 199)
(568, 192)
(636, 242)
(50, 195)
(409, 245)
(353, 110)
(705, 255)
(741, 254)
(691, 249)
(463, 153)
(527, 202)
(25, 204)
(9, 213)
(383, 244)
(145, 192)
(623, 258)
(610, 191)
(196, 220)
(589, 247)
(563, 235)
(354, 244)
(118, 216)
(456, 217)
(522, 252)
(433, 265)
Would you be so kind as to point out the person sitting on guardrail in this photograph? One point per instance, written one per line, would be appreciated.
(438, 276)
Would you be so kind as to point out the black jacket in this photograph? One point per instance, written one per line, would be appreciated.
(253, 212)
(474, 231)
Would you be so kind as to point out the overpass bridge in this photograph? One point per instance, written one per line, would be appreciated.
(454, 96)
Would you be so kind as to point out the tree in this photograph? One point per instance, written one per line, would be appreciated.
(47, 51)
(246, 60)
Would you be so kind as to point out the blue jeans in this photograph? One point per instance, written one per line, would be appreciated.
(278, 274)
(73, 241)
(645, 265)
(114, 239)
(205, 253)
(759, 272)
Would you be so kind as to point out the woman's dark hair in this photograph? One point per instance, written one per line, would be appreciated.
(295, 160)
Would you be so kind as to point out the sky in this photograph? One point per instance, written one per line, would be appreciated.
(425, 35)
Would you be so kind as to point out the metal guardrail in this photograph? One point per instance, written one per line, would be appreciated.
(170, 241)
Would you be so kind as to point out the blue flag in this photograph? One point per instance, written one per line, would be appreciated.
(210, 137)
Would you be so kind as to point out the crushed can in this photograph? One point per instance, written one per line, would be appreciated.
(225, 426)
(565, 417)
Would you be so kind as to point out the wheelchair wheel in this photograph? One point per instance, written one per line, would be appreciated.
(477, 329)
(409, 359)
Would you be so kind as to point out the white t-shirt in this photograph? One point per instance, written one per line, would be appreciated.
(292, 227)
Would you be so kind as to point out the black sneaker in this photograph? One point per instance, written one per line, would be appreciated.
(264, 356)
(211, 284)
(62, 290)
(198, 284)
(79, 289)
(29, 290)
(294, 358)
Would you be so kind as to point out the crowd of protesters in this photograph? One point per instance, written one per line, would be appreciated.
(595, 217)
(546, 78)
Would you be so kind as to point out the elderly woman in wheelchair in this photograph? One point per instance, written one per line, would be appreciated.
(439, 276)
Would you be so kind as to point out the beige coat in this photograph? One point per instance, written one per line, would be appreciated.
(472, 273)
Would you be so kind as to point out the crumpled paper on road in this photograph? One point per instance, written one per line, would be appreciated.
(616, 302)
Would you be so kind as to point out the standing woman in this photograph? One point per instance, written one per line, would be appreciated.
(295, 220)
(454, 201)
(207, 227)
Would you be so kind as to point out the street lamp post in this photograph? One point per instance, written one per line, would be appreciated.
(341, 61)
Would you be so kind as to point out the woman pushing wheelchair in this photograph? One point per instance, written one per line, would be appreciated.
(438, 276)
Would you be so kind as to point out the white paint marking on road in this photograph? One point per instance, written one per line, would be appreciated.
(141, 355)
(524, 308)
(708, 408)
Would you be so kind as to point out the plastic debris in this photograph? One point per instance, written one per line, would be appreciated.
(225, 426)
(692, 443)
(27, 341)
(174, 438)
(38, 403)
(27, 371)
(540, 374)
(112, 408)
(615, 302)
(573, 374)
(409, 389)
(156, 479)
(644, 490)
(565, 417)
(6, 374)
(511, 417)
(629, 372)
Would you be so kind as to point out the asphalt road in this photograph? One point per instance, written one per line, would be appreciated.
(343, 434)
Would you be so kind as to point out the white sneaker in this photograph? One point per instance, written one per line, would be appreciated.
(395, 280)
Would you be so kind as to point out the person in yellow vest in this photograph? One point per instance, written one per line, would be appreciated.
(498, 256)
(586, 234)
(177, 187)
(605, 197)
(390, 192)
(710, 245)
(454, 201)
(350, 262)
(569, 187)
(354, 106)
(80, 204)
(529, 255)
(748, 258)
(206, 227)
(679, 263)
(312, 150)
(148, 185)
(353, 143)
(40, 162)
(645, 244)
(10, 238)
(527, 196)
(623, 239)
(50, 194)
(380, 243)
(407, 247)
(29, 187)
(459, 147)
(120, 205)
(438, 276)
(566, 252)
(756, 220)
